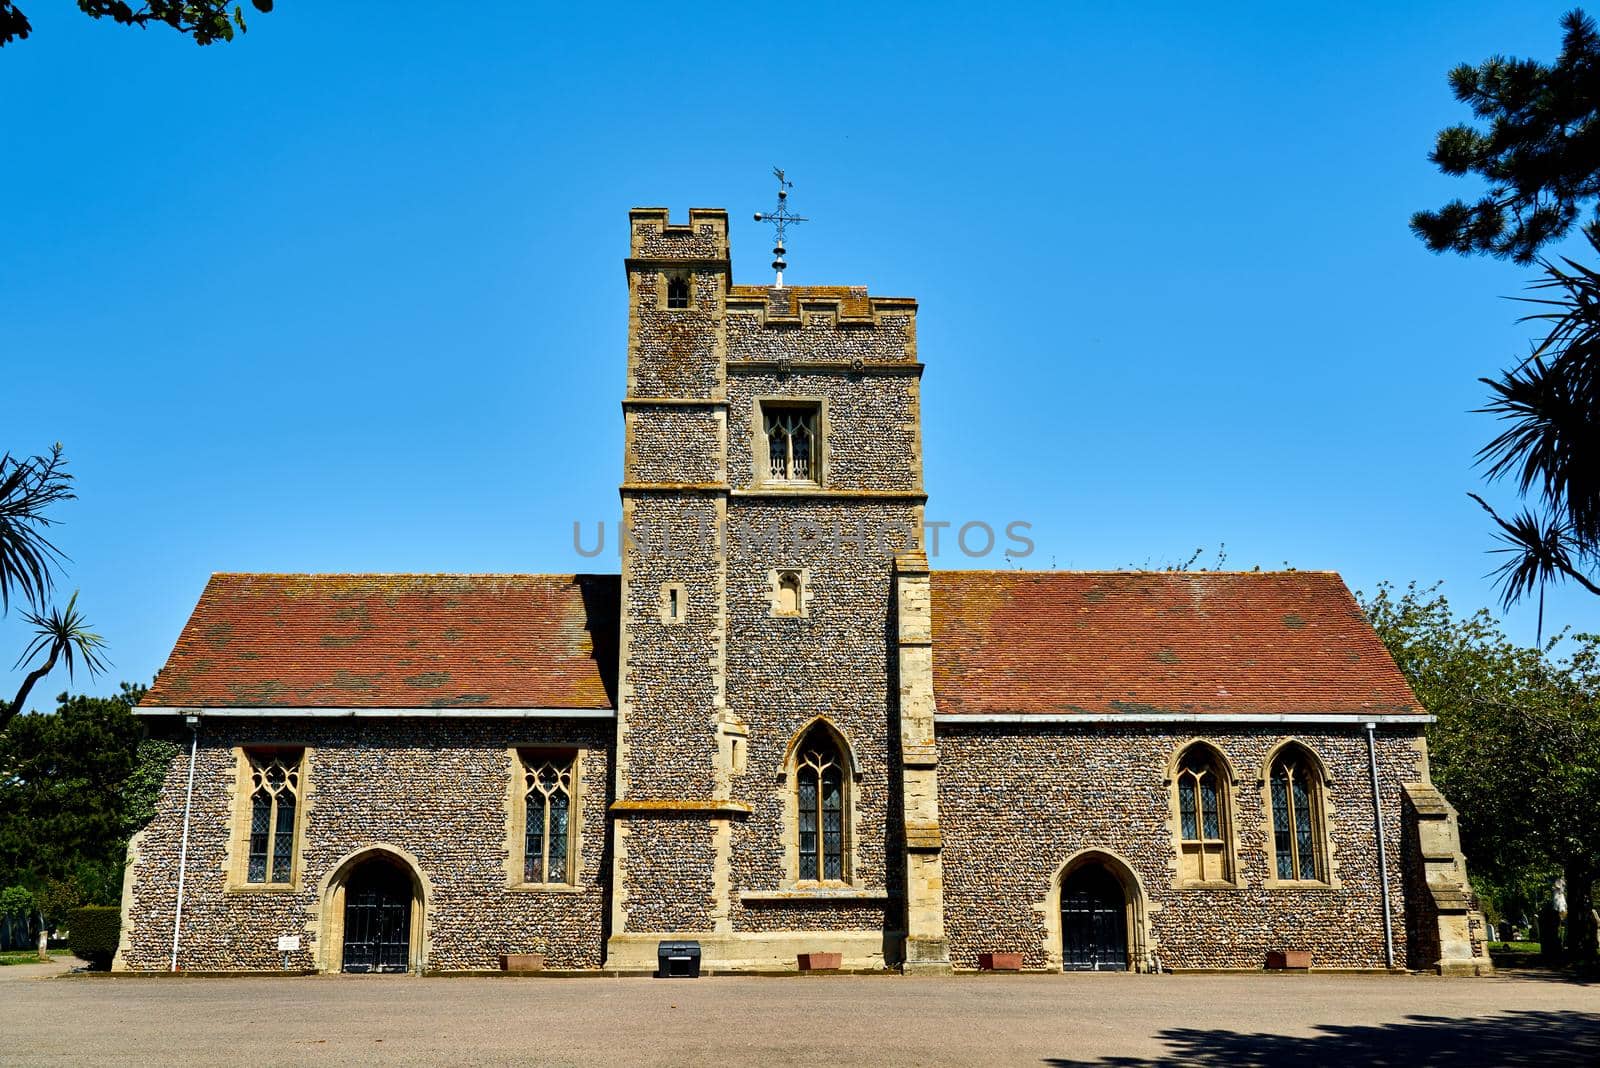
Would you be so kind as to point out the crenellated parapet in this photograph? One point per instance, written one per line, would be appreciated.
(840, 326)
(653, 236)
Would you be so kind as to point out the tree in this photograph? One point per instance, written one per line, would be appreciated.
(206, 21)
(1516, 745)
(28, 561)
(73, 788)
(1540, 154)
(63, 634)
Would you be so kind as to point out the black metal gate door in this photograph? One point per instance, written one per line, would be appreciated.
(377, 919)
(1094, 922)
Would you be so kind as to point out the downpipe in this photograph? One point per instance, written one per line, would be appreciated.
(1383, 854)
(183, 849)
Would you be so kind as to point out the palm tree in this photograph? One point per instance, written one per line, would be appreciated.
(27, 557)
(1551, 443)
(62, 634)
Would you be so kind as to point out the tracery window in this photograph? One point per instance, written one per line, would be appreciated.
(677, 291)
(821, 800)
(547, 811)
(274, 799)
(1203, 832)
(1297, 823)
(791, 443)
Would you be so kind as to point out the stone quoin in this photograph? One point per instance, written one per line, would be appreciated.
(788, 747)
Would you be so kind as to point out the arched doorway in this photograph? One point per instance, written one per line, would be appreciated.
(377, 918)
(372, 913)
(1094, 920)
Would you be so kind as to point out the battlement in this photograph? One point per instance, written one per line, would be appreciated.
(653, 235)
(827, 324)
(791, 305)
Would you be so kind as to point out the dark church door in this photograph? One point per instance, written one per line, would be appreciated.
(377, 919)
(1094, 922)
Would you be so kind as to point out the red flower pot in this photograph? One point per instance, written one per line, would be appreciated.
(1000, 962)
(820, 962)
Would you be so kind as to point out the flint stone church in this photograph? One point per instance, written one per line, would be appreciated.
(788, 745)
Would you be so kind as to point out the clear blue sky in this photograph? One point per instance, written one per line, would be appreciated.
(348, 293)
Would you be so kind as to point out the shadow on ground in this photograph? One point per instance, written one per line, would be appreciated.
(1514, 1038)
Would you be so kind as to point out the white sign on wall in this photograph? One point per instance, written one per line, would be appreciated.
(286, 943)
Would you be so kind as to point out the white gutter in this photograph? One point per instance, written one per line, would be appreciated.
(183, 850)
(956, 719)
(387, 713)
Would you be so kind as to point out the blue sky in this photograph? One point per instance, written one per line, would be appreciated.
(347, 294)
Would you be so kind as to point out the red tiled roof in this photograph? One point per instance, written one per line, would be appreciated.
(1190, 642)
(397, 641)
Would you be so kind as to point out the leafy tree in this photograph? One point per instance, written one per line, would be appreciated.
(70, 785)
(206, 21)
(16, 909)
(1516, 746)
(1540, 154)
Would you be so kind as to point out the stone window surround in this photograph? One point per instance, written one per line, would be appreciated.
(791, 811)
(236, 859)
(1229, 791)
(518, 758)
(760, 448)
(664, 609)
(1322, 824)
(694, 278)
(775, 592)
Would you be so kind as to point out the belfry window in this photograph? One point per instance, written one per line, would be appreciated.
(821, 806)
(677, 291)
(1203, 832)
(547, 798)
(1297, 826)
(792, 454)
(274, 800)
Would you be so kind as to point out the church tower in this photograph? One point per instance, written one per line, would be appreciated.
(770, 798)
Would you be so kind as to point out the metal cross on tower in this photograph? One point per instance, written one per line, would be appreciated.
(780, 217)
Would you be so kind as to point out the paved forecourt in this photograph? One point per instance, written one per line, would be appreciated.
(1027, 1019)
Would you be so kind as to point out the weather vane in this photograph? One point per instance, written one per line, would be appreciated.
(780, 217)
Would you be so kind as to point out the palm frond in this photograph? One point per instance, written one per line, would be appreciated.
(1551, 404)
(27, 557)
(64, 632)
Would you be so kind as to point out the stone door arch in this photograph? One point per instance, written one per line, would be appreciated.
(361, 866)
(1095, 883)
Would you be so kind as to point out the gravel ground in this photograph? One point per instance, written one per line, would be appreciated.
(1233, 1020)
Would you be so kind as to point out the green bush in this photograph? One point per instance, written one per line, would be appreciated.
(92, 933)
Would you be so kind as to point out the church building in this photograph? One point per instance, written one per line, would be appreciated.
(778, 732)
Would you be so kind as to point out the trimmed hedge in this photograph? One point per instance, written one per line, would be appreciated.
(92, 933)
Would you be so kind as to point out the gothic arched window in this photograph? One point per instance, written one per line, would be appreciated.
(1298, 833)
(677, 291)
(822, 800)
(547, 800)
(274, 797)
(1204, 836)
(791, 443)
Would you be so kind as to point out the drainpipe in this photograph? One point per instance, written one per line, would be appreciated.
(183, 850)
(1383, 855)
